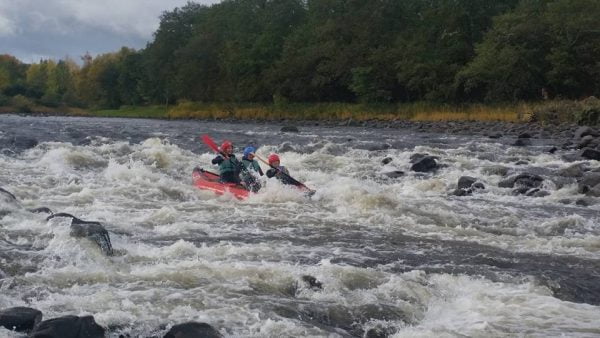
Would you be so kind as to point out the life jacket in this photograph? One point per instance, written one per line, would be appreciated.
(251, 165)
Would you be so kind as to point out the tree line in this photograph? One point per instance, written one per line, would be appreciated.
(376, 51)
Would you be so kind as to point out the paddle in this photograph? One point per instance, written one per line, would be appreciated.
(295, 181)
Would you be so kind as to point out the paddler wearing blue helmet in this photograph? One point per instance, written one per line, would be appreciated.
(252, 168)
(249, 162)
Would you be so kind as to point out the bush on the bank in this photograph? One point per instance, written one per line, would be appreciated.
(22, 104)
(585, 112)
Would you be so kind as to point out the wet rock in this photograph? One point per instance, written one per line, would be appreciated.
(8, 194)
(524, 135)
(525, 180)
(590, 154)
(575, 170)
(312, 283)
(24, 142)
(41, 210)
(522, 142)
(416, 157)
(585, 131)
(478, 185)
(91, 230)
(521, 162)
(285, 147)
(289, 129)
(426, 164)
(585, 141)
(466, 182)
(394, 174)
(537, 193)
(462, 192)
(552, 150)
(377, 147)
(386, 160)
(495, 170)
(589, 180)
(583, 202)
(495, 135)
(192, 330)
(69, 327)
(594, 192)
(380, 332)
(20, 319)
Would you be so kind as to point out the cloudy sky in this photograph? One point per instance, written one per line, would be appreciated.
(34, 29)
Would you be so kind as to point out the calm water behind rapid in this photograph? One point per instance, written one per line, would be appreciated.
(395, 256)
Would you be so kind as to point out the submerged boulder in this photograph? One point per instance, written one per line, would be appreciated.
(192, 330)
(91, 230)
(524, 180)
(289, 129)
(591, 154)
(20, 319)
(425, 164)
(69, 327)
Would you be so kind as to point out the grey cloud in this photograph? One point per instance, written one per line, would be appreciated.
(33, 29)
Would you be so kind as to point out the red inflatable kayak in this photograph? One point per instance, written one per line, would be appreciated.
(210, 181)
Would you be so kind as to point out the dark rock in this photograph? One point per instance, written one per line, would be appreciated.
(522, 142)
(386, 160)
(552, 150)
(575, 170)
(69, 327)
(377, 147)
(590, 179)
(585, 131)
(23, 142)
(8, 193)
(466, 182)
(591, 154)
(426, 164)
(312, 282)
(91, 230)
(495, 136)
(537, 193)
(594, 192)
(521, 162)
(416, 157)
(520, 191)
(583, 202)
(585, 141)
(525, 180)
(495, 170)
(524, 135)
(394, 174)
(478, 185)
(192, 330)
(285, 147)
(462, 192)
(40, 210)
(20, 319)
(290, 129)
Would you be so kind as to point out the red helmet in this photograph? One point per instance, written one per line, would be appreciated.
(226, 145)
(273, 158)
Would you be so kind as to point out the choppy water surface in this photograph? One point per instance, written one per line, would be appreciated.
(397, 257)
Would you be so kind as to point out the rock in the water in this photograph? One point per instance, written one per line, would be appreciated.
(594, 192)
(524, 135)
(552, 150)
(394, 174)
(285, 147)
(462, 192)
(312, 282)
(585, 141)
(585, 131)
(466, 182)
(425, 164)
(522, 180)
(23, 142)
(20, 319)
(91, 230)
(521, 162)
(522, 142)
(290, 129)
(192, 330)
(69, 327)
(495, 170)
(590, 153)
(495, 135)
(386, 160)
(40, 210)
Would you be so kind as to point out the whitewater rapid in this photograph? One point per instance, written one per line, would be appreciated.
(397, 257)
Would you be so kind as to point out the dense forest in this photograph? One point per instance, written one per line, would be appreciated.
(375, 51)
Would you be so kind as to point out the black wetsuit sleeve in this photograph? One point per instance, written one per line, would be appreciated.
(260, 171)
(217, 160)
(271, 172)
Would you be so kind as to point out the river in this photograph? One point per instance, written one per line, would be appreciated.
(398, 257)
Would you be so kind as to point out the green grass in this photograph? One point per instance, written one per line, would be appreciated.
(133, 111)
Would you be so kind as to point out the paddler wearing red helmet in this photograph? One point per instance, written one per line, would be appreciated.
(278, 171)
(229, 166)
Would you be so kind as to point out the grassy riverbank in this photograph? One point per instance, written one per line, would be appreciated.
(582, 112)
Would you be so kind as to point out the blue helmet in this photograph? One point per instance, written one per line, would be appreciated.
(249, 150)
